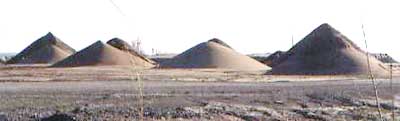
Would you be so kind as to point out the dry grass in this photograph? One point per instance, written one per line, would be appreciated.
(392, 92)
(141, 97)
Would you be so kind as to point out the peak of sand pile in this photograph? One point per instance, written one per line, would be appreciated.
(46, 50)
(216, 40)
(100, 54)
(324, 36)
(213, 55)
(325, 51)
(124, 46)
(120, 44)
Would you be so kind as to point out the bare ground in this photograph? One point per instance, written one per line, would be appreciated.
(112, 93)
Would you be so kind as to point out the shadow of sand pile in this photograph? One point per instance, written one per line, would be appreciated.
(124, 46)
(46, 50)
(325, 51)
(100, 54)
(213, 54)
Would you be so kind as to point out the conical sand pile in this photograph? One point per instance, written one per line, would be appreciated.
(213, 55)
(100, 54)
(46, 50)
(124, 46)
(325, 51)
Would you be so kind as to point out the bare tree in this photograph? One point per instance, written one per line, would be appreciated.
(137, 46)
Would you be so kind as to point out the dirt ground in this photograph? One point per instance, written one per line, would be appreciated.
(114, 93)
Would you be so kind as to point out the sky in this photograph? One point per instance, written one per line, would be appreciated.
(172, 26)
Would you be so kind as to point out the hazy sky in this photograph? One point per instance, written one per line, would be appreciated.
(250, 26)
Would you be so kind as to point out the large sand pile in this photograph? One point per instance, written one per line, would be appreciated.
(325, 51)
(213, 55)
(124, 46)
(99, 54)
(46, 50)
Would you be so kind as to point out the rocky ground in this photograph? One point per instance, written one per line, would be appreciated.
(115, 94)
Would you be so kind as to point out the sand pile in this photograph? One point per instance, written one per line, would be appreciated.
(325, 51)
(384, 58)
(124, 46)
(46, 50)
(99, 54)
(2, 60)
(274, 59)
(213, 55)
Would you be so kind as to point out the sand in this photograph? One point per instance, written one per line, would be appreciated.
(46, 50)
(384, 58)
(273, 59)
(100, 54)
(325, 51)
(124, 46)
(216, 40)
(2, 62)
(213, 55)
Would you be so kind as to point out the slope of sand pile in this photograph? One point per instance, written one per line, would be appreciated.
(213, 55)
(46, 50)
(276, 58)
(100, 54)
(124, 46)
(325, 51)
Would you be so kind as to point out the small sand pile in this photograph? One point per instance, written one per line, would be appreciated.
(46, 50)
(124, 46)
(274, 59)
(384, 58)
(325, 51)
(2, 61)
(100, 54)
(213, 55)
